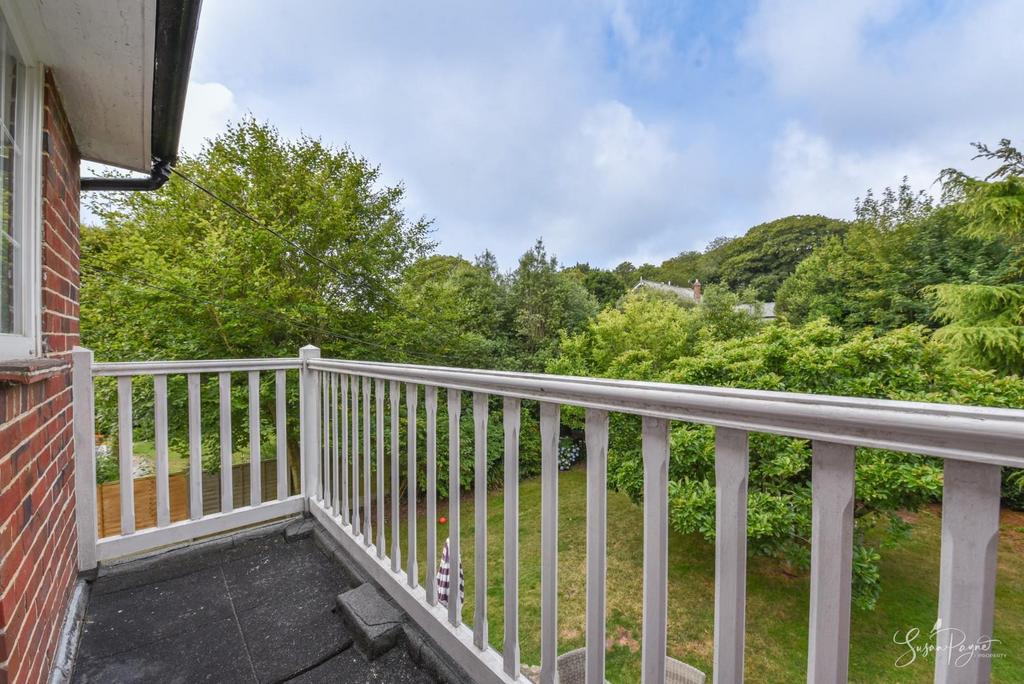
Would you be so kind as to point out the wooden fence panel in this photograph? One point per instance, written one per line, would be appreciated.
(108, 496)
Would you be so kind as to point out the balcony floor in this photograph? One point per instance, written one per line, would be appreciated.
(258, 610)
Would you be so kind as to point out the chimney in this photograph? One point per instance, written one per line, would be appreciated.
(696, 291)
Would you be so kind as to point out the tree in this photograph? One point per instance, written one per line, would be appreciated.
(762, 258)
(877, 274)
(543, 303)
(985, 321)
(449, 308)
(177, 274)
(646, 341)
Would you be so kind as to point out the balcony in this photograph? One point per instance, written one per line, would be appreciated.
(349, 482)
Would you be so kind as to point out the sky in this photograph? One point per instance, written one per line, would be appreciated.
(619, 130)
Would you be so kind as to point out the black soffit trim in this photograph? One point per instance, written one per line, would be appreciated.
(176, 25)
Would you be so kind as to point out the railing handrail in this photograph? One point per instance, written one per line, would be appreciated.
(970, 433)
(122, 368)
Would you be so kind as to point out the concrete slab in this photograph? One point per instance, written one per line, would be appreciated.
(288, 632)
(395, 667)
(376, 624)
(213, 652)
(245, 609)
(123, 620)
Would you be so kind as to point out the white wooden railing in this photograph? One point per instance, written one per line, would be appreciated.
(343, 486)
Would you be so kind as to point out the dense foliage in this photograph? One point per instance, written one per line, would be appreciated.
(761, 259)
(180, 275)
(317, 250)
(652, 339)
(877, 275)
(985, 320)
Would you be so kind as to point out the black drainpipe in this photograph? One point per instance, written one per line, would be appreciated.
(176, 24)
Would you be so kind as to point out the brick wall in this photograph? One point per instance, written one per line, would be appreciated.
(38, 542)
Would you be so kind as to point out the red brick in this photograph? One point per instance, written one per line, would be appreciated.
(38, 542)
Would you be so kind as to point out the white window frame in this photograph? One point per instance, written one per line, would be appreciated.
(28, 201)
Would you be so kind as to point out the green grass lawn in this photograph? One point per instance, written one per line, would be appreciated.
(777, 603)
(177, 461)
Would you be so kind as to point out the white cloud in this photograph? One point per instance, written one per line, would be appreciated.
(208, 107)
(812, 176)
(877, 90)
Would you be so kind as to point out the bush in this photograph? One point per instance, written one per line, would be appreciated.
(815, 358)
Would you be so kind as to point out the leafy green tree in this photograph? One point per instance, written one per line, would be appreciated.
(985, 321)
(762, 258)
(543, 303)
(450, 308)
(877, 274)
(647, 341)
(177, 274)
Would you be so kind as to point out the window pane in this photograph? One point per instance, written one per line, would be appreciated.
(8, 238)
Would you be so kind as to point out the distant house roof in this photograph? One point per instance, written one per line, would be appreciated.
(686, 293)
(694, 295)
(767, 309)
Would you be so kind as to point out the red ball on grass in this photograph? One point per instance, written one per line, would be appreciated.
(443, 520)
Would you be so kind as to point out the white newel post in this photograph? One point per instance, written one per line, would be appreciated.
(832, 491)
(85, 456)
(309, 438)
(967, 578)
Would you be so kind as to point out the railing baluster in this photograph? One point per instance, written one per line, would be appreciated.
(125, 449)
(549, 432)
(281, 433)
(163, 504)
(367, 501)
(378, 389)
(597, 536)
(655, 454)
(967, 578)
(430, 402)
(323, 475)
(227, 501)
(255, 458)
(346, 517)
(394, 390)
(832, 480)
(731, 466)
(454, 484)
(335, 464)
(84, 419)
(510, 651)
(480, 410)
(354, 383)
(195, 449)
(411, 394)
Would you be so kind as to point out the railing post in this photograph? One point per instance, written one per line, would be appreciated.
(550, 421)
(309, 425)
(832, 489)
(731, 466)
(597, 541)
(85, 456)
(430, 403)
(510, 421)
(967, 578)
(655, 630)
(125, 447)
(480, 411)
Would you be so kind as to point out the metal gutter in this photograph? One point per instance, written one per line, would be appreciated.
(176, 24)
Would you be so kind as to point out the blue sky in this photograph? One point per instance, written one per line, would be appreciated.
(620, 130)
